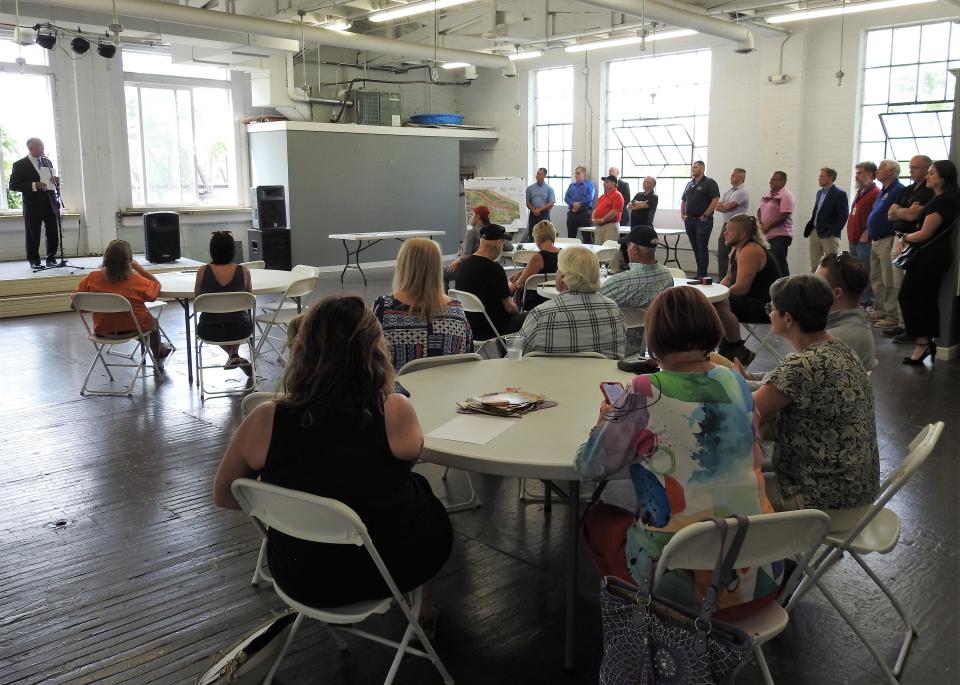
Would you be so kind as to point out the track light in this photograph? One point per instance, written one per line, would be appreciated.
(47, 40)
(80, 45)
(106, 50)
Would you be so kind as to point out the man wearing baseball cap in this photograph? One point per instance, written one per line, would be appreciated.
(606, 215)
(482, 275)
(636, 287)
(471, 241)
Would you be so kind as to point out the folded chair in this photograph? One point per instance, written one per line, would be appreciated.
(770, 537)
(472, 304)
(281, 317)
(878, 530)
(473, 501)
(324, 520)
(224, 303)
(112, 303)
(753, 331)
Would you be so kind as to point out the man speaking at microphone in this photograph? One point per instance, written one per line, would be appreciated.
(35, 177)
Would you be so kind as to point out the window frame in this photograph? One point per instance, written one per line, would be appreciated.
(138, 80)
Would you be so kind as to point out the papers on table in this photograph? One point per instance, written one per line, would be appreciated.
(473, 428)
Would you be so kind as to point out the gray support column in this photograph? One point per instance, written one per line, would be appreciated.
(950, 288)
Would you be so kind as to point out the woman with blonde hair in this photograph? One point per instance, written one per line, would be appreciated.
(418, 319)
(121, 274)
(544, 261)
(342, 432)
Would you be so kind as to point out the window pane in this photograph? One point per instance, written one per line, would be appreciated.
(870, 128)
(932, 82)
(954, 42)
(18, 123)
(935, 43)
(897, 125)
(903, 148)
(873, 152)
(161, 145)
(876, 86)
(32, 54)
(934, 148)
(878, 48)
(906, 44)
(903, 84)
(134, 143)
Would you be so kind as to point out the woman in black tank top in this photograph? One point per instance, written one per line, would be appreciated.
(544, 261)
(234, 325)
(341, 432)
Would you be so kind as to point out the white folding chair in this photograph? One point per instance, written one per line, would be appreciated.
(472, 304)
(530, 285)
(878, 530)
(522, 257)
(328, 521)
(299, 271)
(567, 241)
(281, 318)
(609, 251)
(112, 303)
(156, 311)
(223, 303)
(677, 273)
(770, 538)
(473, 501)
(247, 405)
(753, 331)
(259, 264)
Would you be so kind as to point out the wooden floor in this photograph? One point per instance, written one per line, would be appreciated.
(117, 568)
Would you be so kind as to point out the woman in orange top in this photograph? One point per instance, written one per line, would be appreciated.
(121, 274)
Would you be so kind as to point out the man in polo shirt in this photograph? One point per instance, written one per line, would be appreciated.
(733, 201)
(482, 275)
(579, 201)
(643, 280)
(906, 212)
(860, 208)
(699, 201)
(775, 216)
(606, 216)
(540, 200)
(880, 230)
(829, 214)
(642, 210)
(624, 189)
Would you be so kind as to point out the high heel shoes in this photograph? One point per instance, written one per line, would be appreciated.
(931, 352)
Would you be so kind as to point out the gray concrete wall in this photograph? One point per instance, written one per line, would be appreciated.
(351, 183)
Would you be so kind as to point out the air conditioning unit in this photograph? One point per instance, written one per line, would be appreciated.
(372, 108)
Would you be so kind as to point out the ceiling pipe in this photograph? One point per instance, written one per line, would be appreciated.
(652, 10)
(179, 14)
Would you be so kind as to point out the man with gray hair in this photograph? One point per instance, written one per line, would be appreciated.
(35, 177)
(880, 231)
(579, 319)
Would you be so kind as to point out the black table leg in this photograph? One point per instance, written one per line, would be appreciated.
(570, 602)
(185, 303)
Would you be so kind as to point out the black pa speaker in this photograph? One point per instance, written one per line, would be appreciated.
(272, 246)
(161, 236)
(269, 207)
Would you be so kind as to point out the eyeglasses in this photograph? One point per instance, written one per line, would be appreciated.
(841, 262)
(769, 308)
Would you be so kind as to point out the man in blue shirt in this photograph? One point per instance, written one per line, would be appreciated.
(579, 199)
(880, 230)
(540, 200)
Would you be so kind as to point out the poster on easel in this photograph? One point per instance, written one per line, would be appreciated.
(504, 197)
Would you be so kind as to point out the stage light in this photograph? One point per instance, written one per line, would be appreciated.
(80, 45)
(47, 40)
(106, 50)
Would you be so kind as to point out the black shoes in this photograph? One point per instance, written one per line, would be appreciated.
(52, 261)
(931, 352)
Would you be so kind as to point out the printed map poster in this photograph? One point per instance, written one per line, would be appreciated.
(505, 197)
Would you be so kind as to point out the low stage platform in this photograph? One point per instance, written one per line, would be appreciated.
(23, 292)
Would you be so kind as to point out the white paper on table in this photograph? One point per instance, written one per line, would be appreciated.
(478, 429)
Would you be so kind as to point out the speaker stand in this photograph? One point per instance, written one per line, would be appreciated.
(63, 263)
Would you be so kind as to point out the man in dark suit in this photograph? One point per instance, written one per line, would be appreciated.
(624, 189)
(827, 219)
(35, 178)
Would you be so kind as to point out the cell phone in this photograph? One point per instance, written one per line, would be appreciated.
(612, 390)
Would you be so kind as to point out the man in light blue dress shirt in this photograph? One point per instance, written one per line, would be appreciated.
(579, 199)
(734, 200)
(540, 200)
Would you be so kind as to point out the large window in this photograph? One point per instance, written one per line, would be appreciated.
(180, 132)
(19, 121)
(907, 97)
(553, 126)
(656, 119)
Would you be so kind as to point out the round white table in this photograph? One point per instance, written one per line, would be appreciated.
(542, 445)
(178, 285)
(715, 292)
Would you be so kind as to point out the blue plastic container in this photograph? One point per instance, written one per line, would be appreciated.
(437, 119)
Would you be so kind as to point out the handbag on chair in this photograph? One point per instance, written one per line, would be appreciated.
(248, 661)
(651, 640)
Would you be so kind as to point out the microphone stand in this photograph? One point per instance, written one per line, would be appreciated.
(57, 206)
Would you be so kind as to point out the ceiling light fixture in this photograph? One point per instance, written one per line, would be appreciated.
(848, 9)
(80, 45)
(411, 10)
(106, 50)
(529, 54)
(630, 40)
(47, 40)
(455, 65)
(339, 25)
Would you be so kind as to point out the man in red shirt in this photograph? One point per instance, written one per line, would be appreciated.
(860, 208)
(606, 216)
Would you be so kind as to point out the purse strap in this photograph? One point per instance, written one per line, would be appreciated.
(722, 574)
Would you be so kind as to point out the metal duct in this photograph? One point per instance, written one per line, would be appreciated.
(179, 14)
(674, 16)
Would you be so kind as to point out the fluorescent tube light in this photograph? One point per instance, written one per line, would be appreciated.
(837, 11)
(342, 25)
(455, 65)
(630, 40)
(530, 54)
(418, 8)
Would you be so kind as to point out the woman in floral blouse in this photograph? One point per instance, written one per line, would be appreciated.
(826, 454)
(688, 436)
